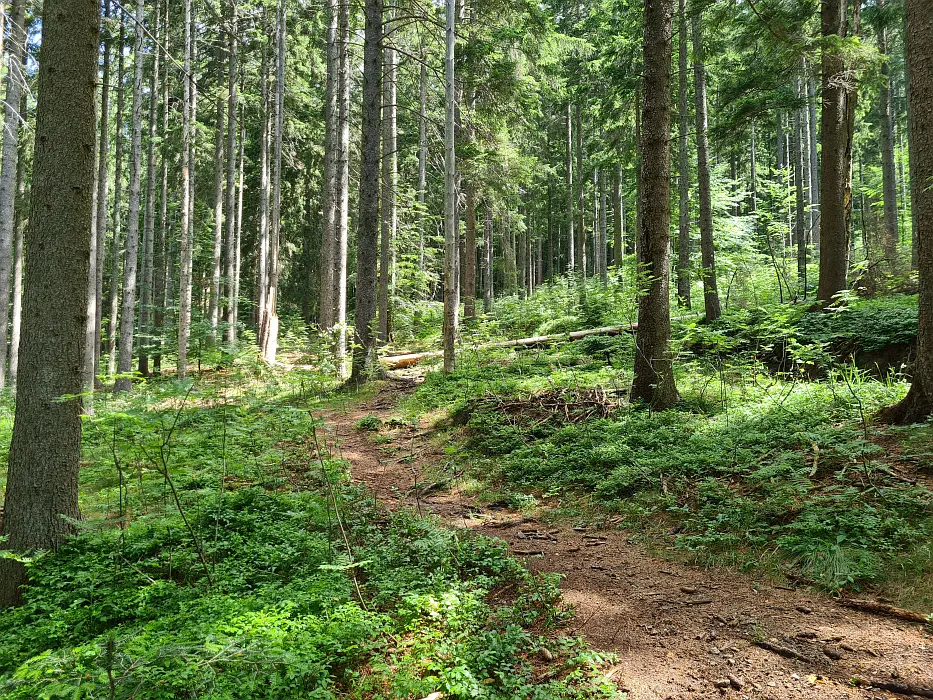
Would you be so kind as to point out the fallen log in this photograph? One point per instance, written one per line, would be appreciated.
(405, 361)
(894, 686)
(786, 652)
(870, 606)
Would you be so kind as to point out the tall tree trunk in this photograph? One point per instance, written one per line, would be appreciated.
(262, 263)
(422, 156)
(683, 235)
(103, 198)
(271, 334)
(329, 196)
(148, 259)
(130, 264)
(549, 267)
(618, 219)
(888, 167)
(918, 404)
(779, 129)
(42, 482)
(184, 275)
(163, 262)
(753, 173)
(639, 158)
(343, 188)
(368, 243)
(469, 259)
(568, 176)
(21, 221)
(813, 162)
(581, 202)
(214, 302)
(839, 95)
(488, 251)
(15, 81)
(707, 244)
(231, 204)
(451, 220)
(799, 172)
(654, 371)
(389, 185)
(116, 252)
(603, 227)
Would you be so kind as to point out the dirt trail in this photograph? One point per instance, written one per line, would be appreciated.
(679, 632)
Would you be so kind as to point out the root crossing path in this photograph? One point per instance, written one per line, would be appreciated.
(678, 632)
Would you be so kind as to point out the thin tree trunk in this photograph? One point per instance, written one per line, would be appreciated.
(581, 204)
(42, 482)
(422, 156)
(779, 128)
(148, 258)
(654, 372)
(618, 219)
(131, 261)
(799, 170)
(231, 204)
(707, 244)
(9, 159)
(568, 176)
(683, 235)
(639, 158)
(601, 243)
(262, 281)
(327, 306)
(103, 194)
(813, 162)
(753, 173)
(116, 242)
(343, 188)
(214, 301)
(271, 334)
(21, 222)
(888, 167)
(839, 96)
(469, 259)
(549, 265)
(368, 243)
(451, 222)
(163, 260)
(184, 276)
(389, 212)
(488, 251)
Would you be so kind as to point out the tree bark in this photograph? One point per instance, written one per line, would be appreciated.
(451, 220)
(214, 301)
(184, 274)
(888, 167)
(163, 262)
(15, 80)
(368, 243)
(21, 221)
(469, 257)
(568, 176)
(262, 263)
(343, 188)
(581, 203)
(42, 481)
(707, 244)
(148, 258)
(115, 245)
(654, 371)
(488, 251)
(388, 209)
(618, 219)
(131, 261)
(601, 255)
(918, 404)
(232, 128)
(839, 95)
(799, 172)
(270, 335)
(683, 235)
(327, 306)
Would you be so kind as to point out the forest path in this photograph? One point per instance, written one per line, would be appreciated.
(679, 632)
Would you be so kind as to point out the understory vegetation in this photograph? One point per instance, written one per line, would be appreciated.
(225, 554)
(771, 461)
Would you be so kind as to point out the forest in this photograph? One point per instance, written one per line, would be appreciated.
(454, 349)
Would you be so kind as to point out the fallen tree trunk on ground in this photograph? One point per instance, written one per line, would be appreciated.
(871, 606)
(404, 361)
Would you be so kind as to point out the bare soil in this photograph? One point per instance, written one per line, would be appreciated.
(678, 631)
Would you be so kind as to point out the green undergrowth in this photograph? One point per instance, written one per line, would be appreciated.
(752, 469)
(220, 558)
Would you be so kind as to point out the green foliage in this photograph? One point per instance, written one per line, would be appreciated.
(251, 585)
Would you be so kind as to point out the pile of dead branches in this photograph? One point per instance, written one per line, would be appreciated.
(565, 406)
